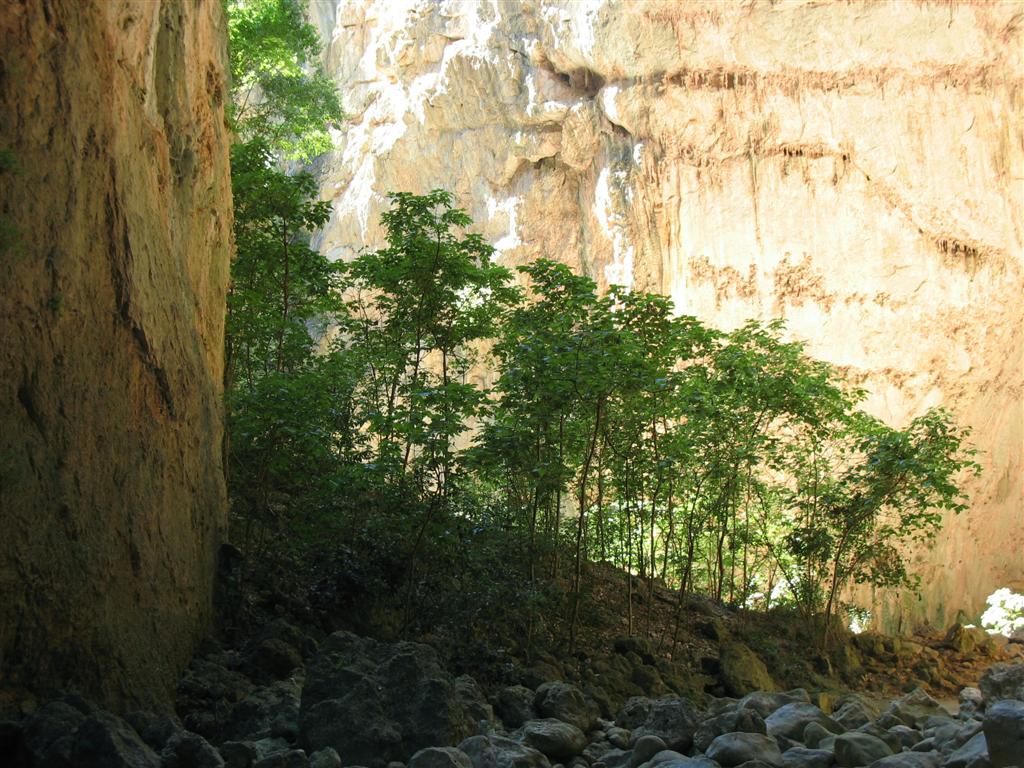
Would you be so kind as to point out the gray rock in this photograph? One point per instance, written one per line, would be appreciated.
(634, 713)
(732, 749)
(853, 713)
(289, 758)
(817, 736)
(557, 740)
(190, 750)
(266, 712)
(272, 659)
(883, 735)
(904, 735)
(48, 736)
(242, 754)
(742, 671)
(374, 702)
(596, 750)
(672, 719)
(567, 703)
(614, 758)
(474, 702)
(1003, 681)
(325, 758)
(499, 752)
(790, 720)
(912, 710)
(973, 754)
(909, 760)
(954, 735)
(158, 730)
(925, 745)
(1004, 732)
(640, 646)
(238, 754)
(440, 757)
(855, 749)
(207, 692)
(764, 703)
(665, 756)
(514, 705)
(802, 757)
(740, 720)
(107, 741)
(619, 737)
(645, 749)
(971, 702)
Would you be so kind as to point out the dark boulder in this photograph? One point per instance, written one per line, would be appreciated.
(375, 702)
(567, 703)
(107, 741)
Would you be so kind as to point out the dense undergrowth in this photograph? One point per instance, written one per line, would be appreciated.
(422, 441)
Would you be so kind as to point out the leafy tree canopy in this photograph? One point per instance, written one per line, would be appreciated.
(279, 91)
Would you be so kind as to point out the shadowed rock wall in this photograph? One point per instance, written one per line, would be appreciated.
(115, 214)
(852, 167)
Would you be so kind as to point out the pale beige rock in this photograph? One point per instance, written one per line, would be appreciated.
(112, 499)
(853, 167)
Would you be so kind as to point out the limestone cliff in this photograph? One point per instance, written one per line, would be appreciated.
(853, 167)
(115, 227)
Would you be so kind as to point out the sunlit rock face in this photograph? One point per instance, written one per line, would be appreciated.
(115, 235)
(853, 168)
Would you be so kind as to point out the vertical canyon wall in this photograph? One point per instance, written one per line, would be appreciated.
(115, 234)
(855, 168)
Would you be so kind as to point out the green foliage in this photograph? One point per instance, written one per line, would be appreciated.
(279, 92)
(420, 308)
(366, 446)
(725, 463)
(281, 289)
(292, 435)
(294, 454)
(861, 491)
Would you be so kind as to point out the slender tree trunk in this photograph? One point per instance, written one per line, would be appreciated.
(558, 499)
(629, 574)
(581, 525)
(600, 509)
(285, 298)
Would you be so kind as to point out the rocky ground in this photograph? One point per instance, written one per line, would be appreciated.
(284, 700)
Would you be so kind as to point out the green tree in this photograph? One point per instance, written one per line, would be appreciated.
(279, 92)
(533, 435)
(289, 393)
(422, 307)
(860, 494)
(282, 293)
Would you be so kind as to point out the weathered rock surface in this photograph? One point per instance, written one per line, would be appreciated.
(742, 670)
(1004, 732)
(672, 719)
(381, 698)
(1002, 681)
(852, 168)
(567, 703)
(732, 749)
(115, 231)
(854, 749)
(559, 741)
(374, 702)
(790, 720)
(500, 752)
